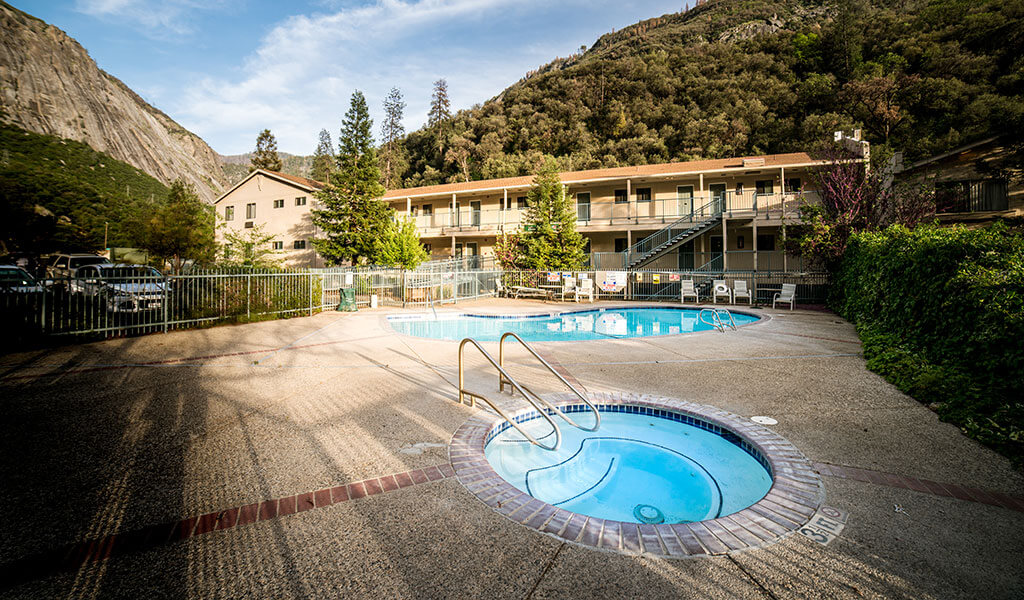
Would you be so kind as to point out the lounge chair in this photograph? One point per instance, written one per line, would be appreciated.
(518, 291)
(740, 290)
(788, 294)
(568, 287)
(720, 288)
(585, 288)
(687, 290)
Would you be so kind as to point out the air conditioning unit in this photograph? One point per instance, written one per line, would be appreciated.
(248, 224)
(753, 162)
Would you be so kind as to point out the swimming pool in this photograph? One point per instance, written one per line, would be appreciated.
(639, 467)
(595, 324)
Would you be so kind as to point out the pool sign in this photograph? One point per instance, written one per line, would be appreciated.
(614, 281)
(825, 525)
(554, 276)
(656, 278)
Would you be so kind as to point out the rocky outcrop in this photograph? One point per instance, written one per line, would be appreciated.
(50, 85)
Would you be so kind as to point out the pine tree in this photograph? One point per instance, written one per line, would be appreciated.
(440, 114)
(323, 158)
(549, 238)
(392, 131)
(352, 217)
(265, 156)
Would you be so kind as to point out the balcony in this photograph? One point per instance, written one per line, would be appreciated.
(607, 213)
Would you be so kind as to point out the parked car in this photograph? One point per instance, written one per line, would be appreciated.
(15, 280)
(64, 266)
(124, 288)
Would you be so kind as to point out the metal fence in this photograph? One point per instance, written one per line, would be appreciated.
(120, 306)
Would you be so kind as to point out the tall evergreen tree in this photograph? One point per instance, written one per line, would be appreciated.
(549, 238)
(323, 158)
(392, 131)
(352, 217)
(265, 156)
(440, 114)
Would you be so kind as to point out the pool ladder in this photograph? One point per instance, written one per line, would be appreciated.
(716, 318)
(543, 407)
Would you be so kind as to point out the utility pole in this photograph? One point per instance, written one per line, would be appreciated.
(106, 227)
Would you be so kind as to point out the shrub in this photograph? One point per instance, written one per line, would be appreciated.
(941, 314)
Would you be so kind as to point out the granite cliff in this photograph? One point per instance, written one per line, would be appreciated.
(50, 85)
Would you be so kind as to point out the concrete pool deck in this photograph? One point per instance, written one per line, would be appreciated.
(110, 439)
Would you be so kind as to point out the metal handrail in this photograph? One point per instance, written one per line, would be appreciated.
(463, 392)
(502, 382)
(664, 234)
(732, 321)
(717, 323)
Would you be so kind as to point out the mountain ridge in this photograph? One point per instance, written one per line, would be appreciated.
(50, 85)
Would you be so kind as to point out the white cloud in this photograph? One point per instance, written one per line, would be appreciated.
(301, 76)
(156, 18)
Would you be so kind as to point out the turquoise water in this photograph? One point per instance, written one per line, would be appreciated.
(600, 324)
(635, 468)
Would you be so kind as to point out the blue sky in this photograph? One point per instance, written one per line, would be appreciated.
(225, 69)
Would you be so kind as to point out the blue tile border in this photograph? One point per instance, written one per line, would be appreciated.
(795, 495)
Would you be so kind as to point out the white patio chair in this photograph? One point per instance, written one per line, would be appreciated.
(720, 288)
(568, 287)
(740, 290)
(788, 294)
(585, 289)
(687, 290)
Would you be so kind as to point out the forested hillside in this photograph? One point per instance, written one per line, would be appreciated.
(739, 77)
(57, 194)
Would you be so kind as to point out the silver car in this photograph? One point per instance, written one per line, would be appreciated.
(124, 288)
(15, 280)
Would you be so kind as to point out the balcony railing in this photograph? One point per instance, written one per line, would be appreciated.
(657, 212)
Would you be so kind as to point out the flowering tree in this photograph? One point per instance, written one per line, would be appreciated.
(508, 251)
(852, 199)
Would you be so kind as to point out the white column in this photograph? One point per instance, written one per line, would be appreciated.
(725, 243)
(754, 242)
(782, 186)
(701, 195)
(408, 207)
(454, 219)
(629, 198)
(504, 206)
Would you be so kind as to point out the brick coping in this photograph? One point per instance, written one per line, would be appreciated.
(795, 496)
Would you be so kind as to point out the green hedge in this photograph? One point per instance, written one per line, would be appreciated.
(941, 314)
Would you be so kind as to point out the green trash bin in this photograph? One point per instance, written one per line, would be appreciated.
(348, 300)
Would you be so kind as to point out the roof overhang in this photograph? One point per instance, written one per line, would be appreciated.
(270, 175)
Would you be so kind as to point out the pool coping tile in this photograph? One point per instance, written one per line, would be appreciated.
(796, 494)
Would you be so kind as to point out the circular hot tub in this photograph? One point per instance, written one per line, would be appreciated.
(660, 476)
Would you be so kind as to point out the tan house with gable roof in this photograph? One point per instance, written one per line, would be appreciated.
(278, 202)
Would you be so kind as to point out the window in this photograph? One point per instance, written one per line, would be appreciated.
(278, 246)
(583, 206)
(621, 197)
(279, 203)
(793, 185)
(739, 189)
(521, 202)
(427, 248)
(250, 211)
(300, 201)
(969, 196)
(765, 186)
(299, 245)
(620, 244)
(428, 210)
(248, 225)
(229, 213)
(414, 211)
(766, 242)
(643, 194)
(740, 242)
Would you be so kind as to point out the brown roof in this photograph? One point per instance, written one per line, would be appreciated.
(312, 183)
(680, 168)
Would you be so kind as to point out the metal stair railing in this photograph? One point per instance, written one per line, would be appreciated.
(583, 398)
(515, 385)
(716, 315)
(665, 236)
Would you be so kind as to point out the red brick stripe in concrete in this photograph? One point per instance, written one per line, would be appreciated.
(73, 556)
(925, 486)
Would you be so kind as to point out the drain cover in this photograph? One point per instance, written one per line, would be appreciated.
(764, 420)
(645, 513)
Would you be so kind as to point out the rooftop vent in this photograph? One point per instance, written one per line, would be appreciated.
(753, 162)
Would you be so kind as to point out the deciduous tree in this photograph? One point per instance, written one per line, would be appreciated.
(401, 247)
(182, 230)
(250, 248)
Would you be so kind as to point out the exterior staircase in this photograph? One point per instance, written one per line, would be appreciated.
(699, 220)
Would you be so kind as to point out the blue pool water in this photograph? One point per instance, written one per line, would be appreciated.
(599, 324)
(635, 468)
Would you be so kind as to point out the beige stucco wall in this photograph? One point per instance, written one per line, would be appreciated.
(287, 224)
